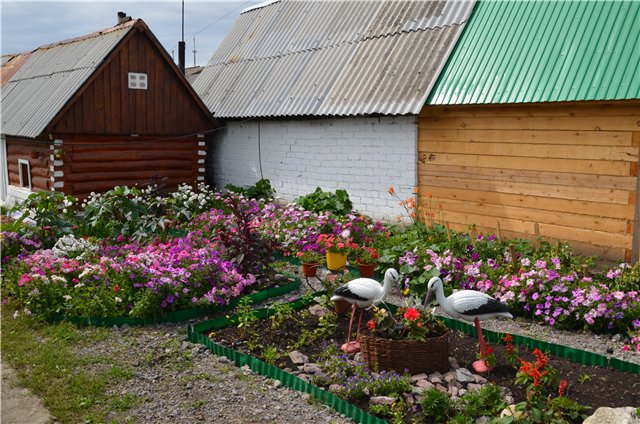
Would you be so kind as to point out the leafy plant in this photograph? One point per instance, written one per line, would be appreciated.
(262, 189)
(409, 323)
(487, 401)
(437, 406)
(337, 203)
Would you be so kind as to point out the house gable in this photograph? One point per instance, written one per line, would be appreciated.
(107, 105)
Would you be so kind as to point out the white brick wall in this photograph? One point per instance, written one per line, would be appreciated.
(361, 155)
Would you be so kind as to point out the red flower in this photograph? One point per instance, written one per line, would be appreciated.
(412, 314)
(116, 288)
(562, 387)
(371, 324)
(508, 339)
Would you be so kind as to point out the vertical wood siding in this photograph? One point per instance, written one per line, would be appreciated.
(98, 164)
(40, 166)
(108, 106)
(570, 168)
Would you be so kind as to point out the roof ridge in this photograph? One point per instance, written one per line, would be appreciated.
(340, 43)
(94, 34)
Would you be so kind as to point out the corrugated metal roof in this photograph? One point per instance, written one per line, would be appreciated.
(544, 51)
(292, 58)
(50, 76)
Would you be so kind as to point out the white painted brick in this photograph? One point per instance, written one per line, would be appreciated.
(361, 155)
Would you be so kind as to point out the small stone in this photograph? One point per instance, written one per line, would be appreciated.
(462, 392)
(421, 376)
(115, 328)
(442, 388)
(276, 384)
(298, 358)
(453, 363)
(473, 387)
(224, 360)
(453, 391)
(382, 400)
(334, 388)
(609, 350)
(245, 369)
(311, 368)
(425, 384)
(304, 377)
(318, 310)
(409, 399)
(463, 375)
(616, 338)
(482, 420)
(184, 346)
(480, 379)
(606, 415)
(450, 376)
(416, 390)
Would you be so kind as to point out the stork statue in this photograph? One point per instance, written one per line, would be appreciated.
(363, 293)
(469, 305)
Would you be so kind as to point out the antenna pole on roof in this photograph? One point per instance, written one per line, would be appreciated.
(194, 51)
(181, 45)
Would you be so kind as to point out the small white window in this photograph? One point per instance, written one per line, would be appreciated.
(24, 169)
(137, 81)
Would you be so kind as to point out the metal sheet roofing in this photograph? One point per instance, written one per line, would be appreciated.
(49, 76)
(294, 58)
(544, 51)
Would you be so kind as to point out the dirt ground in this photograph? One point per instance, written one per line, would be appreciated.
(18, 405)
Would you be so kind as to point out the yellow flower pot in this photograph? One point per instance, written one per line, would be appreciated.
(336, 261)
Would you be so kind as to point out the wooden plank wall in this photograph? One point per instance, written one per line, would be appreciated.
(570, 169)
(108, 106)
(93, 163)
(38, 155)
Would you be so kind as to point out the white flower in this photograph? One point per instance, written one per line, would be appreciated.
(118, 300)
(66, 297)
(345, 233)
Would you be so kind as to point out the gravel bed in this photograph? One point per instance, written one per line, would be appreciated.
(173, 380)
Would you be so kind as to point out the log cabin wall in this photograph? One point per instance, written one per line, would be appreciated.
(565, 171)
(92, 163)
(38, 155)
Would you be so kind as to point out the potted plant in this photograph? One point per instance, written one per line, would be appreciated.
(310, 260)
(411, 338)
(366, 258)
(336, 247)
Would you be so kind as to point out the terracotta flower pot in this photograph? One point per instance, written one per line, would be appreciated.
(366, 270)
(310, 269)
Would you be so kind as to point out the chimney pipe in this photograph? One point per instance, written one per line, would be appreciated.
(122, 18)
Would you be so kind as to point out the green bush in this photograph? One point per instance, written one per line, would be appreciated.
(260, 190)
(337, 203)
(437, 407)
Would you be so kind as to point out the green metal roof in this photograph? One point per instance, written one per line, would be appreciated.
(544, 51)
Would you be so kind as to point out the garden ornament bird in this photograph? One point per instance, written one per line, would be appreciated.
(363, 293)
(469, 305)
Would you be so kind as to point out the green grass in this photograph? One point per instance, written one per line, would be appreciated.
(73, 386)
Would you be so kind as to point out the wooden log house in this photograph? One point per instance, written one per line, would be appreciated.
(103, 110)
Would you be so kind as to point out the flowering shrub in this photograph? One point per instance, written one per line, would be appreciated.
(406, 323)
(309, 256)
(366, 255)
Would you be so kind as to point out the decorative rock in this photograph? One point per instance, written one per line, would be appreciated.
(473, 387)
(425, 384)
(449, 377)
(382, 400)
(482, 420)
(442, 388)
(311, 368)
(605, 415)
(462, 392)
(418, 390)
(421, 376)
(453, 363)
(318, 310)
(463, 375)
(616, 338)
(480, 379)
(357, 357)
(298, 358)
(276, 384)
(409, 399)
(453, 391)
(304, 377)
(334, 388)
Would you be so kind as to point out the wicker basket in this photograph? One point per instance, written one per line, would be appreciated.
(397, 355)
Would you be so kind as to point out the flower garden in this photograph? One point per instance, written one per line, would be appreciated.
(143, 254)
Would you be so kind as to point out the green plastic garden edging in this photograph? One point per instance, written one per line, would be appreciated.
(177, 316)
(289, 380)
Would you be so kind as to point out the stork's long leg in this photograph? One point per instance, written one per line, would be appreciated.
(359, 322)
(353, 314)
(481, 365)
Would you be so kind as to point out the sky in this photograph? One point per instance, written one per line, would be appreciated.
(27, 25)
